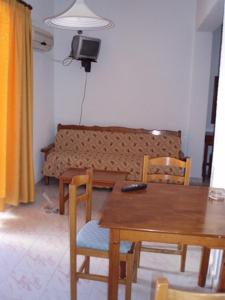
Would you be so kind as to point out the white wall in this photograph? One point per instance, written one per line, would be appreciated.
(209, 14)
(143, 69)
(145, 75)
(214, 71)
(217, 179)
(198, 99)
(43, 89)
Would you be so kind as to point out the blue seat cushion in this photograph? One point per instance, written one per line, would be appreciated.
(94, 237)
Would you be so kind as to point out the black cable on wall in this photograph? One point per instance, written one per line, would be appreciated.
(82, 104)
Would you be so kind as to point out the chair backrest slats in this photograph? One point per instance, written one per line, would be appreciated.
(182, 167)
(167, 161)
(165, 178)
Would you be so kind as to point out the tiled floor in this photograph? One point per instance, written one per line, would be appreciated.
(34, 256)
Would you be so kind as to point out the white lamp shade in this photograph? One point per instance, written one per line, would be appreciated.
(79, 17)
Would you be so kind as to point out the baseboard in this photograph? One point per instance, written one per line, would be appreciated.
(198, 181)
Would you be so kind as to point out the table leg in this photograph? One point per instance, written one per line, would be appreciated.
(203, 267)
(113, 264)
(221, 285)
(61, 197)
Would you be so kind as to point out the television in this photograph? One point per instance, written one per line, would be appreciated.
(85, 48)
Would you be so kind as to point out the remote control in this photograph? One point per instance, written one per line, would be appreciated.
(134, 187)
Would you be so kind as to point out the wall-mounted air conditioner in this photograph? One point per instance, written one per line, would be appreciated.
(42, 40)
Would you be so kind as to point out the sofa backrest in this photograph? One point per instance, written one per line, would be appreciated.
(116, 140)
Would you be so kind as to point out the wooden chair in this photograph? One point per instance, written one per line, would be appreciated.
(163, 292)
(92, 241)
(181, 178)
(183, 169)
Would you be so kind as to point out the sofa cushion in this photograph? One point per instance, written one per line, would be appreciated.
(58, 162)
(94, 237)
(89, 141)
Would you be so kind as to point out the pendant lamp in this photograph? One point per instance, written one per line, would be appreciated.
(79, 17)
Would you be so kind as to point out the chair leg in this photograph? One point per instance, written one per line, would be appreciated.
(73, 288)
(129, 278)
(87, 265)
(203, 267)
(73, 277)
(183, 258)
(138, 254)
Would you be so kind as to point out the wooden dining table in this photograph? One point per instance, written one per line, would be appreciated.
(162, 213)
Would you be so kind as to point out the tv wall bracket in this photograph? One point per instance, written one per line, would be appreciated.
(86, 64)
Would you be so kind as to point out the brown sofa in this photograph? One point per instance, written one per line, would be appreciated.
(107, 148)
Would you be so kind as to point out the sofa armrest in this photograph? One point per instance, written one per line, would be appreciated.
(48, 149)
(181, 155)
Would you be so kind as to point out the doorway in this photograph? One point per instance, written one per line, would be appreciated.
(212, 101)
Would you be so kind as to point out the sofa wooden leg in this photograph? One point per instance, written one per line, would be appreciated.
(122, 269)
(46, 178)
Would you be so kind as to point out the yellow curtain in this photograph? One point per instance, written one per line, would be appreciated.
(16, 162)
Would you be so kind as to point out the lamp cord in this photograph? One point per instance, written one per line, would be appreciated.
(82, 103)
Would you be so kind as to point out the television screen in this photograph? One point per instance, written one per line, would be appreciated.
(89, 48)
